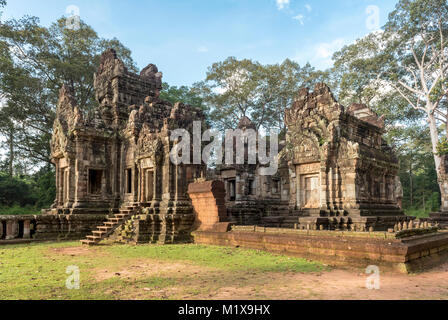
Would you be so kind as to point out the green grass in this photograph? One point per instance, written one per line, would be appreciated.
(224, 258)
(38, 271)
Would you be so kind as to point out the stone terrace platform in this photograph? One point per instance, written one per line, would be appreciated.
(405, 251)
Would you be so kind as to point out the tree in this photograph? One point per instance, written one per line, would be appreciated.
(230, 90)
(183, 94)
(34, 63)
(237, 88)
(417, 49)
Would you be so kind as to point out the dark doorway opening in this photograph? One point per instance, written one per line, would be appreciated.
(3, 227)
(21, 223)
(129, 181)
(95, 181)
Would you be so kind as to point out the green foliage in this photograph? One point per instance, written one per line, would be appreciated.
(44, 187)
(183, 94)
(417, 171)
(442, 147)
(27, 194)
(15, 191)
(18, 210)
(236, 88)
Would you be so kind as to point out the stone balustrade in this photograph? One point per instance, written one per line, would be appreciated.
(48, 227)
(17, 227)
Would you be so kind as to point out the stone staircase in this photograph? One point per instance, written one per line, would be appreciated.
(110, 225)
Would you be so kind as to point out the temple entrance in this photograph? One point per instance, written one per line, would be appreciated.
(310, 192)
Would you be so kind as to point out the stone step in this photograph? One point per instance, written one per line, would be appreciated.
(121, 215)
(99, 232)
(107, 228)
(111, 224)
(88, 242)
(94, 238)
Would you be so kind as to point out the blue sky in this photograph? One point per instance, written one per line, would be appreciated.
(184, 37)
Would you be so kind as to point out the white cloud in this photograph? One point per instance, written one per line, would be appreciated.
(202, 49)
(320, 55)
(300, 18)
(325, 50)
(308, 7)
(281, 4)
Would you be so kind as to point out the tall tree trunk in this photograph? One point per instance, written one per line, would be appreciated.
(11, 151)
(442, 175)
(411, 184)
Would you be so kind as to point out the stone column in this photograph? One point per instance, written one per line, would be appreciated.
(12, 229)
(26, 229)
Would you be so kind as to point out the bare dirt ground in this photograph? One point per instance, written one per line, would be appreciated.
(340, 285)
(186, 280)
(195, 282)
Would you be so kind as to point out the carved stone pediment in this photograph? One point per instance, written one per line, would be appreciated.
(148, 142)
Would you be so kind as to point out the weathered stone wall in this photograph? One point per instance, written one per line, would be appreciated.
(355, 249)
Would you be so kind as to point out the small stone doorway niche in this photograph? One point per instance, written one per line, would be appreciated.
(310, 194)
(308, 186)
(148, 185)
(232, 190)
(65, 183)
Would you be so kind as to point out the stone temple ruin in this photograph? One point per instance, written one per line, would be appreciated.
(117, 158)
(343, 174)
(335, 197)
(250, 196)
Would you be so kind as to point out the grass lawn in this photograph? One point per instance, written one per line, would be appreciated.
(38, 271)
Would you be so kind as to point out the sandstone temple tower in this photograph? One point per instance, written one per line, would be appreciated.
(342, 172)
(117, 156)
